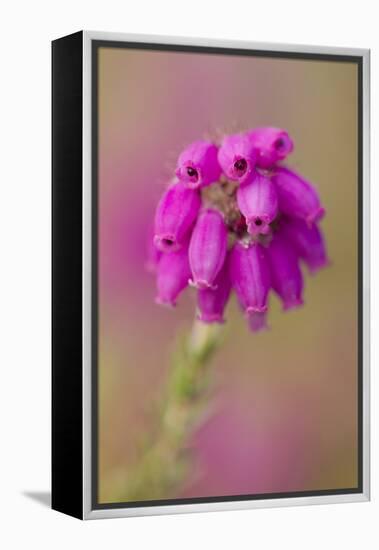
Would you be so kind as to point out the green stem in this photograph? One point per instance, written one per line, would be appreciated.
(164, 459)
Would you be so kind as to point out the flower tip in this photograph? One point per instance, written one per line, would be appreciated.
(166, 303)
(256, 320)
(251, 310)
(209, 318)
(292, 303)
(201, 284)
(316, 266)
(315, 216)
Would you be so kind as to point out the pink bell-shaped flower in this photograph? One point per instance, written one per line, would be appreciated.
(258, 202)
(207, 248)
(175, 216)
(250, 277)
(271, 144)
(198, 165)
(173, 274)
(211, 301)
(237, 158)
(297, 197)
(286, 276)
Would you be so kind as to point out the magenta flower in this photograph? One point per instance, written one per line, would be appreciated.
(271, 144)
(175, 216)
(198, 165)
(297, 197)
(237, 158)
(212, 301)
(258, 202)
(308, 243)
(286, 277)
(207, 248)
(245, 229)
(250, 278)
(172, 277)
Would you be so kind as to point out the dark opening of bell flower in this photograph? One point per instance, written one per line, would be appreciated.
(279, 144)
(197, 165)
(192, 172)
(240, 166)
(272, 145)
(237, 158)
(167, 242)
(237, 221)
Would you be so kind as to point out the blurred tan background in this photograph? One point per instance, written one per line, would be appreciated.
(283, 411)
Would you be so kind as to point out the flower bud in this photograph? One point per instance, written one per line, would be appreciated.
(207, 248)
(297, 197)
(237, 158)
(172, 277)
(258, 202)
(175, 216)
(308, 242)
(271, 144)
(286, 277)
(198, 165)
(212, 301)
(250, 278)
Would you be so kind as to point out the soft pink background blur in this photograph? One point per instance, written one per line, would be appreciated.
(283, 410)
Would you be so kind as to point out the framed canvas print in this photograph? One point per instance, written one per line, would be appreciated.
(210, 275)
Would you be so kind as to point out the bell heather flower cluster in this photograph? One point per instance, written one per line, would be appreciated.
(235, 218)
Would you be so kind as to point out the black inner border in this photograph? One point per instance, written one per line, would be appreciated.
(358, 60)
